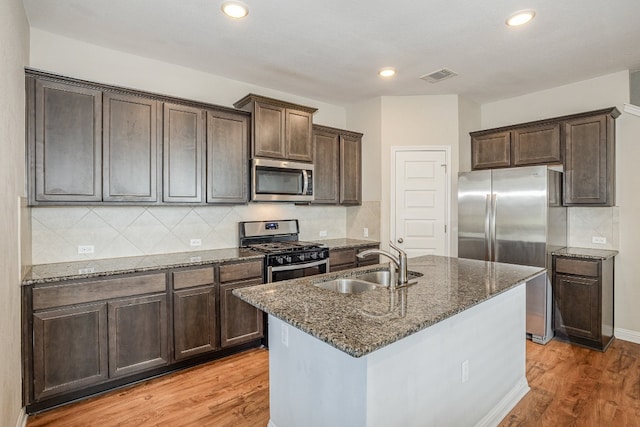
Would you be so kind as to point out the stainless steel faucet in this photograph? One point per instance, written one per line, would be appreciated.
(400, 261)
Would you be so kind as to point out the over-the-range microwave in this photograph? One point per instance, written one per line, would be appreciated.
(281, 181)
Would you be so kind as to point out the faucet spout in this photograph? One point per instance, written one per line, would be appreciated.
(400, 261)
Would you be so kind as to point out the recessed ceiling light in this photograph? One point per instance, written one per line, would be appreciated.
(387, 72)
(235, 9)
(520, 17)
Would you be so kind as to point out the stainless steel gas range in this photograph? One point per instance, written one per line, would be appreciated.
(285, 256)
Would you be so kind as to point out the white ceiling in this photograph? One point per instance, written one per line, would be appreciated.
(330, 50)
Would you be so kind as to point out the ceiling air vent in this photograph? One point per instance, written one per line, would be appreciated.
(438, 75)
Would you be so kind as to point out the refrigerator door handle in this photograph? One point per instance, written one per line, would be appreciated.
(494, 213)
(487, 229)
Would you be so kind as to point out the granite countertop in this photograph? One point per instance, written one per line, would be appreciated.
(344, 243)
(359, 324)
(586, 253)
(49, 273)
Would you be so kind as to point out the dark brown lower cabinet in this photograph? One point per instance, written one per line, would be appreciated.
(239, 321)
(69, 349)
(194, 321)
(137, 334)
(583, 301)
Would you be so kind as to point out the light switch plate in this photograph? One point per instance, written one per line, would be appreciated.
(86, 249)
(599, 240)
(195, 242)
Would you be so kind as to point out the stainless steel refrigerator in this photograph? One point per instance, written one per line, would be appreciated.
(515, 216)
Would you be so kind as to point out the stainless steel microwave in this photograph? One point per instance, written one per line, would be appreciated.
(281, 181)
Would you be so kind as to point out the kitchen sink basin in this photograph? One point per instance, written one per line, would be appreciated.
(384, 277)
(347, 286)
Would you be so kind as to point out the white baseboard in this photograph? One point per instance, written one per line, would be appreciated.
(271, 424)
(22, 418)
(627, 335)
(506, 404)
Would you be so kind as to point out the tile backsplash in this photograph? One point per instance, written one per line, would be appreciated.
(131, 231)
(587, 223)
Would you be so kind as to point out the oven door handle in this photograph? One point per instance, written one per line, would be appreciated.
(271, 269)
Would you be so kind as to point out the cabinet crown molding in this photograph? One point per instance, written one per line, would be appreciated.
(259, 98)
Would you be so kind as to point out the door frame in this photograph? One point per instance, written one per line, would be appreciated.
(447, 196)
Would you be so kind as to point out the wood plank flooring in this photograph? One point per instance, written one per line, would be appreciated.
(570, 386)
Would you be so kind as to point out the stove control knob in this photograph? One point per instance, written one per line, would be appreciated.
(279, 260)
(287, 258)
(321, 255)
(301, 257)
(314, 255)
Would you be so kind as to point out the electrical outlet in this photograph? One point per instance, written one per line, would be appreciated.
(284, 335)
(323, 233)
(599, 240)
(195, 242)
(365, 232)
(465, 371)
(87, 270)
(195, 259)
(85, 249)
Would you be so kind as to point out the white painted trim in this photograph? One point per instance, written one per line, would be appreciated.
(392, 190)
(627, 335)
(271, 424)
(22, 418)
(508, 402)
(632, 109)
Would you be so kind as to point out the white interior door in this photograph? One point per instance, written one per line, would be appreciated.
(420, 203)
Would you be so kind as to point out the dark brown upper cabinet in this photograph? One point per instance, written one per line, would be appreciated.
(491, 150)
(279, 129)
(520, 146)
(64, 142)
(130, 148)
(583, 143)
(589, 167)
(89, 143)
(227, 157)
(183, 146)
(337, 166)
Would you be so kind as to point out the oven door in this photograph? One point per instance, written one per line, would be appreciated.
(295, 271)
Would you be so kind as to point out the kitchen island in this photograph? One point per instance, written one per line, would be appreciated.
(447, 350)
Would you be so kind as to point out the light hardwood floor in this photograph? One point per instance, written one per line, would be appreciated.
(570, 386)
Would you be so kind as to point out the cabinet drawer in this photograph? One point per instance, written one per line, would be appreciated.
(577, 267)
(340, 257)
(241, 271)
(83, 292)
(195, 277)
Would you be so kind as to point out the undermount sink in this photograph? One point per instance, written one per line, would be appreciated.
(347, 286)
(384, 277)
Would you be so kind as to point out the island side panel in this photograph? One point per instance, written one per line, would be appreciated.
(312, 384)
(417, 381)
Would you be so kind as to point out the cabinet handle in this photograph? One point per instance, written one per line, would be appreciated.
(400, 240)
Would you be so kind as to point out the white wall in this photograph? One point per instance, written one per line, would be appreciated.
(14, 33)
(62, 55)
(414, 121)
(602, 92)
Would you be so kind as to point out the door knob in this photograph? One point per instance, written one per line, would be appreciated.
(400, 240)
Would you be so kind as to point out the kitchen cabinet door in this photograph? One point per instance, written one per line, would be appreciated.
(69, 349)
(491, 150)
(227, 157)
(65, 140)
(194, 321)
(137, 334)
(269, 131)
(536, 145)
(342, 259)
(299, 142)
(183, 149)
(371, 259)
(577, 301)
(350, 170)
(130, 148)
(326, 185)
(589, 170)
(239, 322)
